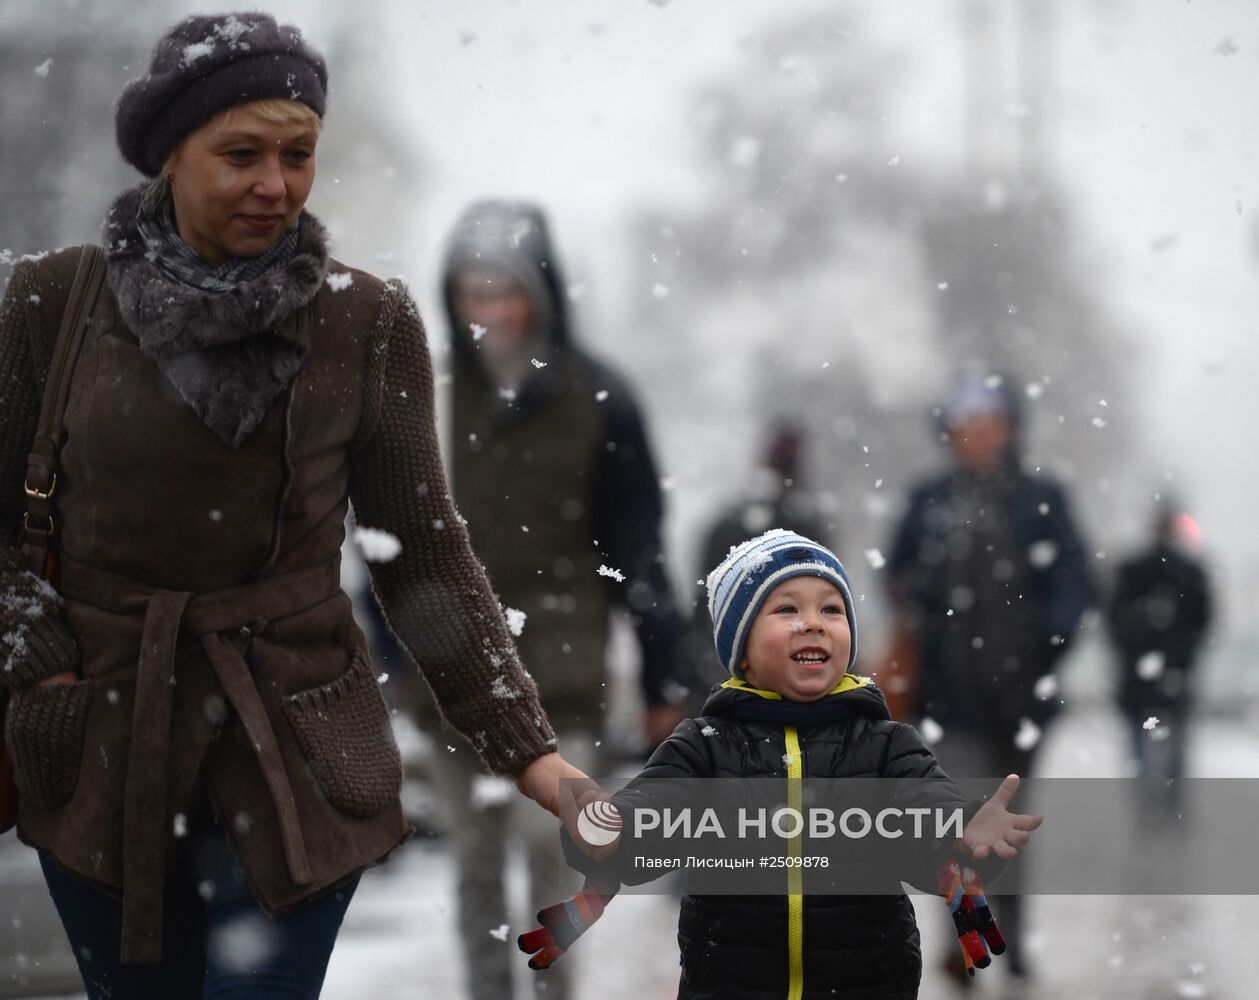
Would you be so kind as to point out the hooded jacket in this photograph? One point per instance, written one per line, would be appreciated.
(800, 946)
(557, 481)
(200, 601)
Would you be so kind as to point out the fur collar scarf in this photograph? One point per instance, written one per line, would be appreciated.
(229, 354)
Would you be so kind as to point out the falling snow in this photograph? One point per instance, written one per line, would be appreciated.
(1028, 735)
(1150, 665)
(377, 545)
(515, 620)
(930, 731)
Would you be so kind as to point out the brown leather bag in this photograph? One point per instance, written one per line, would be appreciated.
(36, 541)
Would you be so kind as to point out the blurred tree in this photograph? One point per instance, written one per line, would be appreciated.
(61, 66)
(818, 278)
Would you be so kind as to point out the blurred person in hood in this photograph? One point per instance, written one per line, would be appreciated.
(989, 580)
(552, 468)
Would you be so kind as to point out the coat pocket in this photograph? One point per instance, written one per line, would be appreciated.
(344, 731)
(44, 730)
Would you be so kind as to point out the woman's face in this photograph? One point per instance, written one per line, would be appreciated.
(240, 181)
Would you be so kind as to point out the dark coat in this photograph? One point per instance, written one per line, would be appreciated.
(738, 947)
(996, 559)
(1161, 605)
(218, 654)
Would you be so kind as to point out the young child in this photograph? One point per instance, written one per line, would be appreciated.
(785, 628)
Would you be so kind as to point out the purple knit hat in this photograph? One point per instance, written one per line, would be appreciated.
(207, 64)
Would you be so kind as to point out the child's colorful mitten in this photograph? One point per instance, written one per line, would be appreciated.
(963, 890)
(562, 924)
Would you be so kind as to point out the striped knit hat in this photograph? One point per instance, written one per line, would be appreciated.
(738, 587)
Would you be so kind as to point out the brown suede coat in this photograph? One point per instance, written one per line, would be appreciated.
(201, 587)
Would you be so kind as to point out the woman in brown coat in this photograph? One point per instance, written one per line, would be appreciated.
(202, 749)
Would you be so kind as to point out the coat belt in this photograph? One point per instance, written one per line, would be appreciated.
(207, 617)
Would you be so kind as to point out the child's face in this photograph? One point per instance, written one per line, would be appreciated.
(799, 643)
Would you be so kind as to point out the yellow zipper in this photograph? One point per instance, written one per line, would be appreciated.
(795, 876)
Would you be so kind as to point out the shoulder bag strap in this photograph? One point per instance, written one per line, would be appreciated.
(41, 468)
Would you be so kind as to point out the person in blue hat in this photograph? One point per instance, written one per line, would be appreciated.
(990, 578)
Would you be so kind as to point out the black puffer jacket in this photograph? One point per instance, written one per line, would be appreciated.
(740, 947)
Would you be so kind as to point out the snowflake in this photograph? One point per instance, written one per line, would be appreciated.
(376, 545)
(931, 731)
(515, 620)
(1028, 735)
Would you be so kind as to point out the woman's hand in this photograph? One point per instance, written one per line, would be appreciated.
(540, 781)
(554, 784)
(65, 677)
(996, 830)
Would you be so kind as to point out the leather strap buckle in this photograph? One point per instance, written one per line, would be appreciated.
(36, 494)
(26, 523)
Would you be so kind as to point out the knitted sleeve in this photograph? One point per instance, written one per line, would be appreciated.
(34, 640)
(435, 594)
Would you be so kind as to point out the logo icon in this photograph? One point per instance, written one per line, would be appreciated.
(599, 823)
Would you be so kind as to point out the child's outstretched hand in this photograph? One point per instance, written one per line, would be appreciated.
(996, 830)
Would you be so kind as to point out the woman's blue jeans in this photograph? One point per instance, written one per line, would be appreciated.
(216, 940)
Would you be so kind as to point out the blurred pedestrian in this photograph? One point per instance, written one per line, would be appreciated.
(205, 760)
(552, 468)
(989, 579)
(1158, 615)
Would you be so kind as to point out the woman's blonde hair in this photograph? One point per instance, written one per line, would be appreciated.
(277, 111)
(274, 110)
